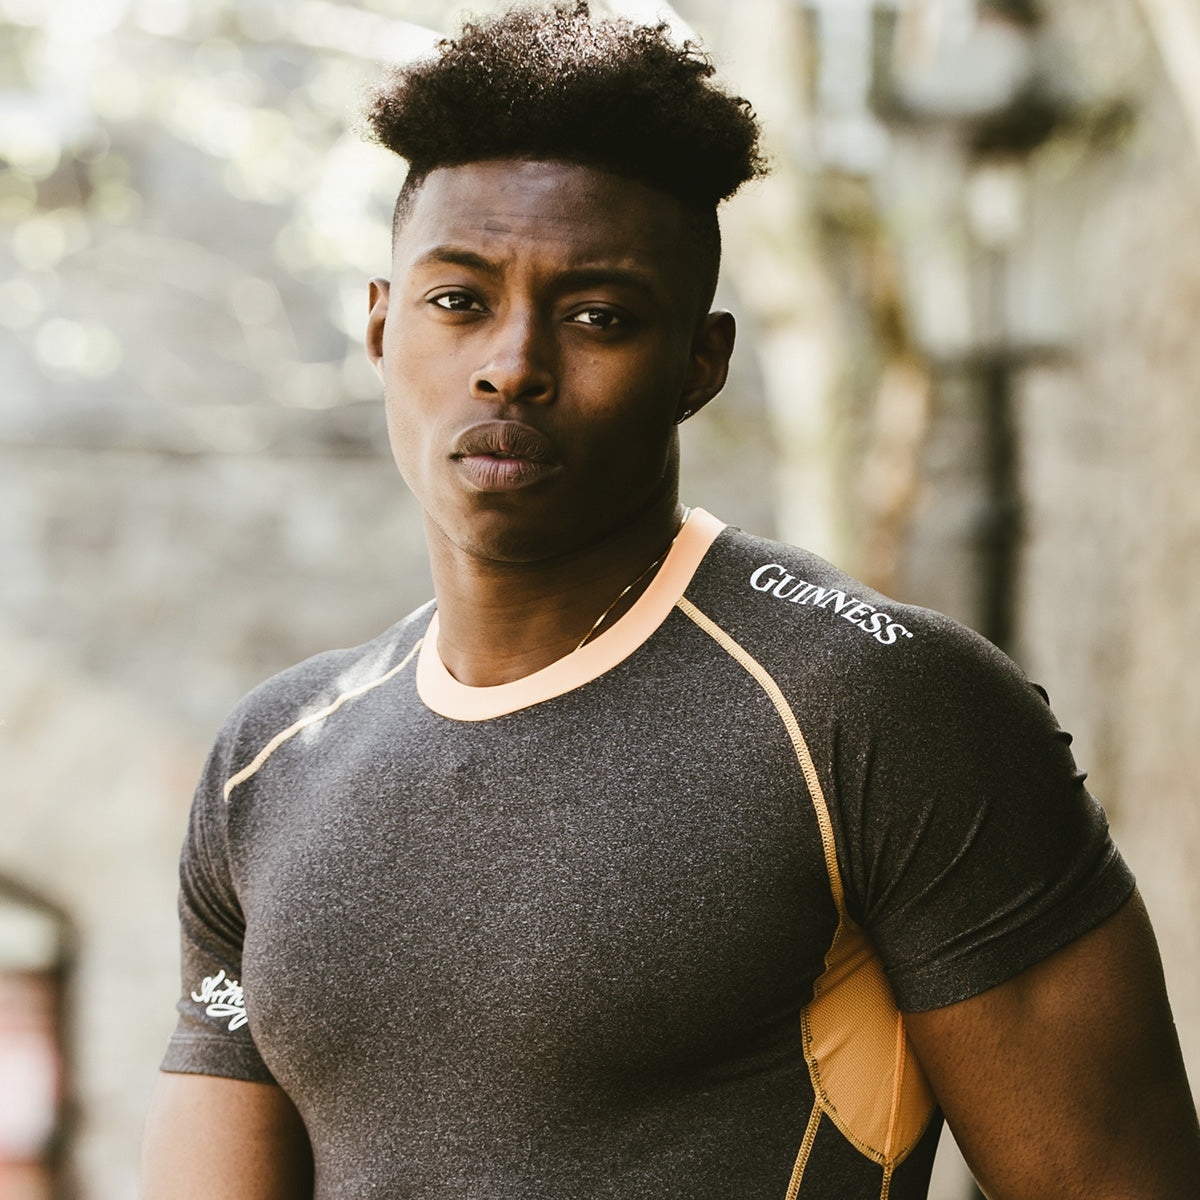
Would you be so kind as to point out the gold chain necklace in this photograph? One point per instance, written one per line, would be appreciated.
(687, 512)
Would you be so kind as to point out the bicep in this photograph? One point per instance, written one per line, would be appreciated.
(1067, 1081)
(207, 1135)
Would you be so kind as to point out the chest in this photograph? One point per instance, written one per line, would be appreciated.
(583, 895)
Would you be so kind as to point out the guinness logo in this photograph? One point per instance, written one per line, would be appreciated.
(775, 580)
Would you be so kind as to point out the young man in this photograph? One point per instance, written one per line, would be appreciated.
(611, 874)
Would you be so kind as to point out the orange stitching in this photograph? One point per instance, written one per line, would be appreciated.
(824, 1103)
(810, 1136)
(897, 1082)
(799, 745)
(261, 757)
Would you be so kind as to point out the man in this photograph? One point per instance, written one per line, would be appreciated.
(611, 874)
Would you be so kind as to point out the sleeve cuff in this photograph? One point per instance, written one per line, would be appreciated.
(926, 986)
(195, 1054)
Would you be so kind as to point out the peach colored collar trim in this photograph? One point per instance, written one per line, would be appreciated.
(446, 696)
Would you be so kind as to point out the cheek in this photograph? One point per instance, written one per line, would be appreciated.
(414, 381)
(628, 444)
(412, 434)
(399, 432)
(639, 400)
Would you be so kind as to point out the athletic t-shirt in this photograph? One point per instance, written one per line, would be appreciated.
(636, 925)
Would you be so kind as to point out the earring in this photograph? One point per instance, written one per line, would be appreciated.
(683, 416)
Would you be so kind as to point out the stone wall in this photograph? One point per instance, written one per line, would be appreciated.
(1110, 581)
(1094, 328)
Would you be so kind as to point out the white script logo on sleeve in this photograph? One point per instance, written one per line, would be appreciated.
(223, 998)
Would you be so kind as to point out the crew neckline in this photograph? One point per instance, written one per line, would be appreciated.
(447, 697)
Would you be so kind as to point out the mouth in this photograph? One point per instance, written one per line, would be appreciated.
(503, 456)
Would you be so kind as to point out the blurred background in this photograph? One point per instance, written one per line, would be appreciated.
(967, 371)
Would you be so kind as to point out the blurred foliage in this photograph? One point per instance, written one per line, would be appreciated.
(189, 218)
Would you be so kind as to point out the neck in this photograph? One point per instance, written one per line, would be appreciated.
(500, 621)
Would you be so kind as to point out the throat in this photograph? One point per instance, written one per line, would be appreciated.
(627, 597)
(500, 624)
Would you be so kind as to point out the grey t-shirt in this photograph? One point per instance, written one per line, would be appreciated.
(637, 925)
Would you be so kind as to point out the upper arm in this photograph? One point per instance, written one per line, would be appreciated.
(1067, 1081)
(209, 1136)
(968, 843)
(218, 1124)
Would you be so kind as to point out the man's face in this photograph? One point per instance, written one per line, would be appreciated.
(539, 339)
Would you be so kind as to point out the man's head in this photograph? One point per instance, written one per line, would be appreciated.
(555, 250)
(555, 84)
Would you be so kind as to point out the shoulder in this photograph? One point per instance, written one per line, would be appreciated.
(966, 840)
(906, 711)
(809, 623)
(312, 686)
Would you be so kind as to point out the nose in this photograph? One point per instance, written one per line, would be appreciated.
(519, 366)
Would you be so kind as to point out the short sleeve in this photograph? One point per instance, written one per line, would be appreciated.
(212, 1036)
(972, 848)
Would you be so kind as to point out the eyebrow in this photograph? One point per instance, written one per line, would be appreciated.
(568, 280)
(585, 277)
(458, 256)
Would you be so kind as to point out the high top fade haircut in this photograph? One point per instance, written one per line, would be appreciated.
(556, 84)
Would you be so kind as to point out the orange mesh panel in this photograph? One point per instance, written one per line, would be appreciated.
(861, 1065)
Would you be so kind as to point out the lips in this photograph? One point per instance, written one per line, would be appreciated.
(502, 456)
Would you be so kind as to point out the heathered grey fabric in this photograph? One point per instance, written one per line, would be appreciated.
(564, 952)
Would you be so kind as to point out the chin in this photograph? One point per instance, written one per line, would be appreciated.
(502, 536)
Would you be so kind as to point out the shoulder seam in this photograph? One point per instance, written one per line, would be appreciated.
(283, 735)
(843, 960)
(775, 694)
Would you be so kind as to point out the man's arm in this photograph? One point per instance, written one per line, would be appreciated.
(1067, 1081)
(207, 1136)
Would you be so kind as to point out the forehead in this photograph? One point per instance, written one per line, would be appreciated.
(561, 212)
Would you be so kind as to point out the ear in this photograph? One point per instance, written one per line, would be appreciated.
(376, 319)
(709, 365)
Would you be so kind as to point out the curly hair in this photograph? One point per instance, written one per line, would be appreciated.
(554, 83)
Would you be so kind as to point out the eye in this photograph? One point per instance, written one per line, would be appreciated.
(598, 318)
(457, 302)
